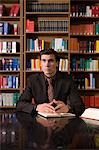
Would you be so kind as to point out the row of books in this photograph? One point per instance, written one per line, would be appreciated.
(83, 10)
(9, 64)
(34, 64)
(8, 117)
(7, 28)
(91, 101)
(46, 7)
(8, 136)
(53, 25)
(84, 46)
(9, 11)
(36, 44)
(8, 133)
(47, 25)
(9, 81)
(9, 47)
(84, 64)
(59, 44)
(85, 29)
(63, 65)
(9, 99)
(87, 82)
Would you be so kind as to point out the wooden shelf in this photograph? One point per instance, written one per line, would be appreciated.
(9, 89)
(47, 13)
(8, 56)
(84, 21)
(85, 71)
(7, 107)
(47, 36)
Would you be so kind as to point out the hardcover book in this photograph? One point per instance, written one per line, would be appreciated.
(91, 113)
(53, 115)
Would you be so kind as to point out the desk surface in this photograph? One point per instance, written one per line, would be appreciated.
(24, 132)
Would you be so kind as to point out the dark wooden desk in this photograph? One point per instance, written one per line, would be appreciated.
(25, 132)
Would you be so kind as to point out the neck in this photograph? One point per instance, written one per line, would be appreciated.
(50, 75)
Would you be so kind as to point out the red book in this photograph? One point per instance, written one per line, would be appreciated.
(27, 25)
(92, 101)
(93, 11)
(11, 10)
(1, 81)
(31, 26)
(5, 82)
(1, 10)
(87, 101)
(97, 101)
(83, 98)
(16, 10)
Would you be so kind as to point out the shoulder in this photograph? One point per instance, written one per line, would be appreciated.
(63, 75)
(34, 76)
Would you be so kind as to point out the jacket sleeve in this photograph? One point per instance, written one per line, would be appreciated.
(75, 101)
(25, 101)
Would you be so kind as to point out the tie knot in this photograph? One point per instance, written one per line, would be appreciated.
(49, 80)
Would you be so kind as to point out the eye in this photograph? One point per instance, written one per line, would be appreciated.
(43, 60)
(51, 61)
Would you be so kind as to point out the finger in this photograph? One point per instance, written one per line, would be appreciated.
(50, 108)
(51, 103)
(58, 107)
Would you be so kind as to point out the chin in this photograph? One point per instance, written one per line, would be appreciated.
(48, 74)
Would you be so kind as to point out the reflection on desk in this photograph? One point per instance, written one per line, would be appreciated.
(24, 132)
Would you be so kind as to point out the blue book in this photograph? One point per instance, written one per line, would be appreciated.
(6, 28)
(14, 82)
(31, 45)
(10, 81)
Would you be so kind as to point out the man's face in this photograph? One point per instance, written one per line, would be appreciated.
(48, 64)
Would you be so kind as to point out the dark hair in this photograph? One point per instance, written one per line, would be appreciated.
(48, 52)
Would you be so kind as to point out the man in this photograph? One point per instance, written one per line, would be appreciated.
(64, 95)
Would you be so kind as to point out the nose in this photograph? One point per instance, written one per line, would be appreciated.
(47, 63)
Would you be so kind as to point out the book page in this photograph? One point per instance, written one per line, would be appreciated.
(55, 114)
(91, 113)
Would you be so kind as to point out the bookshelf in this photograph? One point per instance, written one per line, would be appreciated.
(70, 27)
(11, 52)
(84, 49)
(46, 24)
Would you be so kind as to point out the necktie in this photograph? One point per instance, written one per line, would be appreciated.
(50, 89)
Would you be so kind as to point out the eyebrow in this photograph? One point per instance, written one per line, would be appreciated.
(47, 60)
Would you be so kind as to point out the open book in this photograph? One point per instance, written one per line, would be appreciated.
(91, 113)
(53, 115)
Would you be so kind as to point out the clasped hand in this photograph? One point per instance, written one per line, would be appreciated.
(53, 107)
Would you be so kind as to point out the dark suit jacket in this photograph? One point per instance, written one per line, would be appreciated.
(64, 90)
